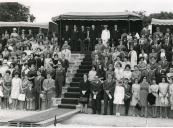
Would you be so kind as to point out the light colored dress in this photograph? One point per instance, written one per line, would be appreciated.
(163, 94)
(127, 74)
(154, 90)
(91, 75)
(16, 86)
(144, 89)
(171, 95)
(135, 94)
(119, 95)
(118, 73)
(133, 59)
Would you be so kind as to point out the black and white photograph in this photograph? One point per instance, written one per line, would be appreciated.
(86, 63)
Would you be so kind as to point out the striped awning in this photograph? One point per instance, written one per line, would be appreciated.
(161, 21)
(24, 24)
(97, 16)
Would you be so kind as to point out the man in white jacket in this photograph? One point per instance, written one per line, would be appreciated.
(105, 36)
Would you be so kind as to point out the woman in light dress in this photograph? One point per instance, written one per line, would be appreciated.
(144, 89)
(163, 97)
(119, 96)
(135, 95)
(133, 57)
(47, 61)
(127, 73)
(92, 73)
(154, 88)
(118, 71)
(15, 89)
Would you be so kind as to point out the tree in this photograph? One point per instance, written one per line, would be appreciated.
(13, 12)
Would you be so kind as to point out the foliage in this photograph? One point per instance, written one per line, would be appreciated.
(147, 19)
(13, 12)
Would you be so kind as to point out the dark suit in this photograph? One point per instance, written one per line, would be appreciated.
(59, 81)
(110, 86)
(127, 98)
(96, 88)
(93, 36)
(65, 65)
(38, 82)
(115, 35)
(74, 40)
(66, 35)
(82, 36)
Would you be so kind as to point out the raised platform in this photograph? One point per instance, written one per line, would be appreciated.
(34, 118)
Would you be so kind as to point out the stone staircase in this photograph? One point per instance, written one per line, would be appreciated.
(72, 93)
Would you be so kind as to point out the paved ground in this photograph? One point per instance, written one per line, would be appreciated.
(6, 115)
(113, 121)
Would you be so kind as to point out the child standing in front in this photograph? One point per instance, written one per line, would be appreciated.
(119, 96)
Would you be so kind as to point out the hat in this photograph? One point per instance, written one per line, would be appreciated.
(23, 30)
(105, 26)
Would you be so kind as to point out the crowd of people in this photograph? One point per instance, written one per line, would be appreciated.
(133, 70)
(32, 69)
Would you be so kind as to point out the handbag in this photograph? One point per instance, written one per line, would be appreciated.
(151, 98)
(83, 99)
(127, 96)
(22, 97)
(138, 106)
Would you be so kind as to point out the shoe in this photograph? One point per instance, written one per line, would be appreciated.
(116, 114)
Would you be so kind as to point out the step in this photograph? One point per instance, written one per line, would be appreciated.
(74, 84)
(83, 71)
(72, 95)
(69, 101)
(87, 59)
(86, 63)
(77, 79)
(85, 66)
(73, 89)
(69, 106)
(78, 75)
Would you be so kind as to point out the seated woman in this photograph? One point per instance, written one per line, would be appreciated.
(92, 73)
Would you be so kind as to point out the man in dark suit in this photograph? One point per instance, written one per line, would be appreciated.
(38, 82)
(66, 34)
(115, 35)
(108, 87)
(74, 39)
(82, 36)
(93, 37)
(65, 65)
(96, 89)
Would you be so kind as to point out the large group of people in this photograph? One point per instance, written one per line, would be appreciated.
(136, 70)
(32, 69)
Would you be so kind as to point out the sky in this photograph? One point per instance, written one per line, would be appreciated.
(44, 10)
